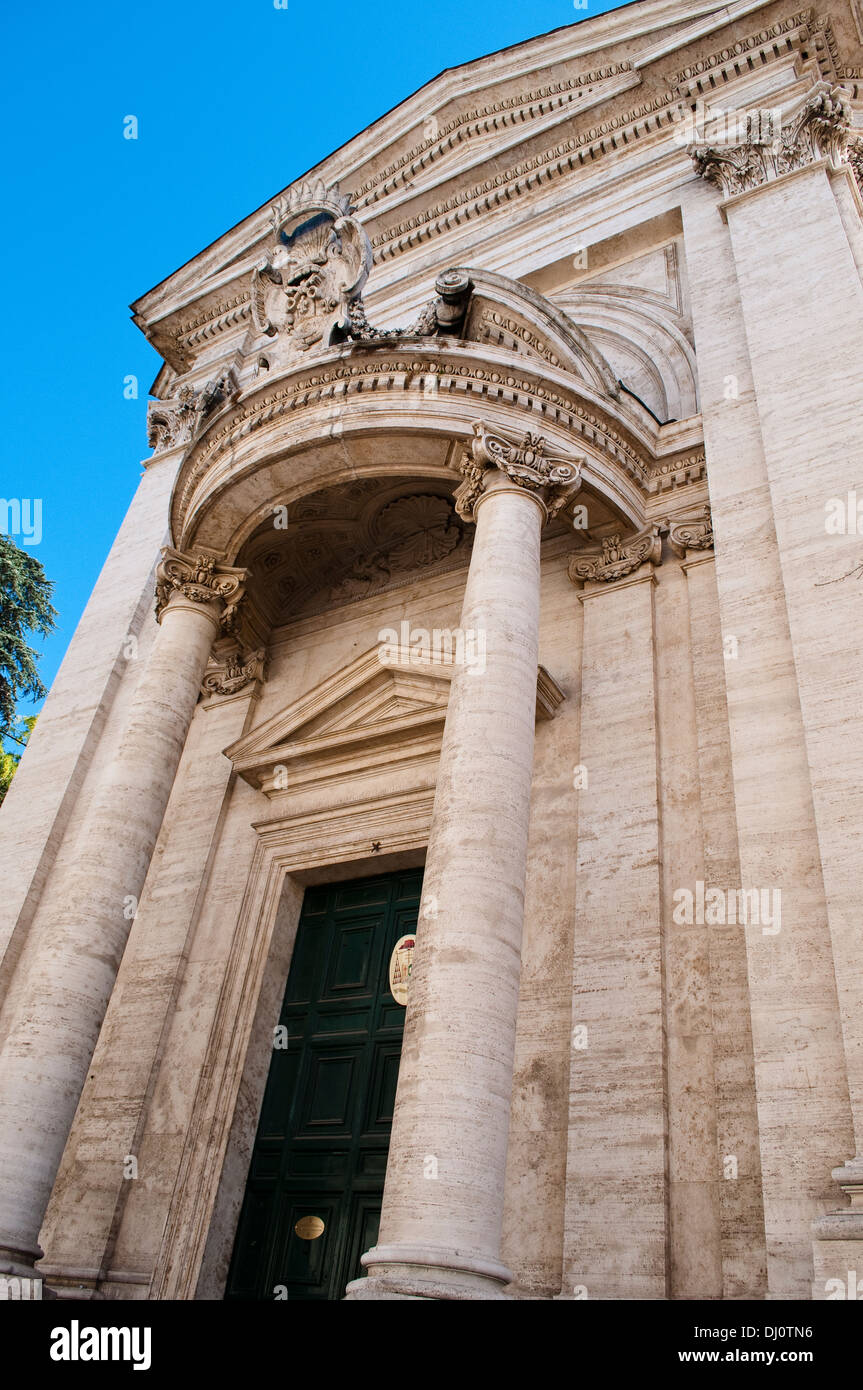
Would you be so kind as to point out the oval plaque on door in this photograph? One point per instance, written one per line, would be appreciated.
(309, 1227)
(400, 968)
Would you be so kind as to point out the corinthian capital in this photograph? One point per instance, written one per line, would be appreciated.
(616, 557)
(555, 480)
(201, 579)
(820, 131)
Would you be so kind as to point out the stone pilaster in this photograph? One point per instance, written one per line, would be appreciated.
(442, 1211)
(59, 1010)
(812, 431)
(736, 1163)
(616, 1220)
(801, 1089)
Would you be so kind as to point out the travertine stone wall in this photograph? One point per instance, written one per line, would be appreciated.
(812, 428)
(735, 1161)
(615, 1241)
(801, 1084)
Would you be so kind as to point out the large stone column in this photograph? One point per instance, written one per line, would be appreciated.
(92, 1190)
(443, 1199)
(59, 1011)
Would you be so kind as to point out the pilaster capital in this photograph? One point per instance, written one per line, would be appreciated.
(554, 481)
(200, 579)
(616, 558)
(229, 674)
(821, 130)
(693, 531)
(176, 421)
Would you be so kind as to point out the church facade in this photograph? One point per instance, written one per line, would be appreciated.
(448, 885)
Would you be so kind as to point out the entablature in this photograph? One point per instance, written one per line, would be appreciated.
(404, 204)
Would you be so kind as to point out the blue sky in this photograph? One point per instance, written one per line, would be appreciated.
(233, 101)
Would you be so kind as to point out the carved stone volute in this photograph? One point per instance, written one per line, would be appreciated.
(615, 558)
(555, 481)
(178, 419)
(201, 579)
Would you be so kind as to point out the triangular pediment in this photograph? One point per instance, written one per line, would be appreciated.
(468, 128)
(387, 704)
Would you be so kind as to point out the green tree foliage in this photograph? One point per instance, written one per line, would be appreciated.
(10, 761)
(25, 607)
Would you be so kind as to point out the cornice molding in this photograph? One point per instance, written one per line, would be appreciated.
(582, 149)
(387, 705)
(454, 375)
(181, 347)
(481, 121)
(177, 340)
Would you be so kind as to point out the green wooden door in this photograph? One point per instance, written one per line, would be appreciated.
(323, 1137)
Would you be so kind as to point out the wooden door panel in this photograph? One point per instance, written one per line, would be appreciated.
(323, 1137)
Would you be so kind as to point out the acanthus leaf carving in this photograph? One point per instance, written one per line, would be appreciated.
(200, 579)
(615, 557)
(555, 480)
(820, 131)
(855, 159)
(178, 420)
(233, 674)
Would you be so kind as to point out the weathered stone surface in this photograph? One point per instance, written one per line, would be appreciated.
(573, 369)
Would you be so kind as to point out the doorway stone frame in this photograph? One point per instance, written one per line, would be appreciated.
(323, 843)
(292, 851)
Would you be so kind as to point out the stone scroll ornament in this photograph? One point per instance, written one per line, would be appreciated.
(201, 579)
(616, 557)
(178, 419)
(234, 674)
(691, 532)
(821, 130)
(555, 480)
